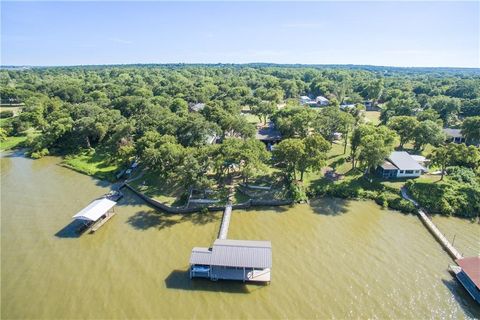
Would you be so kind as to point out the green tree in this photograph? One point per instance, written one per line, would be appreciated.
(374, 90)
(442, 157)
(264, 109)
(331, 120)
(446, 107)
(404, 126)
(375, 146)
(471, 129)
(428, 132)
(287, 155)
(315, 154)
(253, 157)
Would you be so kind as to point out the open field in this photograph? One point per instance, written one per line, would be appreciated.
(373, 116)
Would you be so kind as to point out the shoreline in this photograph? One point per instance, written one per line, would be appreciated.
(379, 200)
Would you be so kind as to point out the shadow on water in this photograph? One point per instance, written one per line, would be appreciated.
(464, 300)
(144, 220)
(180, 280)
(70, 230)
(15, 153)
(200, 217)
(329, 206)
(277, 209)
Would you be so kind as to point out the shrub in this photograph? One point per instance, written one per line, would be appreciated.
(400, 204)
(6, 114)
(449, 198)
(39, 154)
(298, 192)
(462, 174)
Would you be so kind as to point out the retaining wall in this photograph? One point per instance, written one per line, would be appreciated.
(161, 206)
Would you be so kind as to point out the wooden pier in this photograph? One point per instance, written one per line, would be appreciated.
(451, 250)
(223, 232)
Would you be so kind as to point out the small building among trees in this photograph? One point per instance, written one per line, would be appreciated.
(269, 135)
(454, 135)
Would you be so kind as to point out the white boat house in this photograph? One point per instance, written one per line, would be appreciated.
(243, 260)
(96, 213)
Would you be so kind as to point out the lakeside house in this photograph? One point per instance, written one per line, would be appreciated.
(454, 135)
(269, 135)
(243, 260)
(400, 164)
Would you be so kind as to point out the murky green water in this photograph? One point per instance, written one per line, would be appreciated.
(331, 259)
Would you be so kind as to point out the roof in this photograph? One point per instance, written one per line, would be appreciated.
(321, 98)
(235, 253)
(403, 161)
(454, 133)
(305, 98)
(200, 256)
(387, 165)
(471, 266)
(95, 210)
(269, 133)
(197, 107)
(419, 158)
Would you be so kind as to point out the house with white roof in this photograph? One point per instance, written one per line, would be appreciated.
(322, 101)
(454, 135)
(305, 99)
(400, 164)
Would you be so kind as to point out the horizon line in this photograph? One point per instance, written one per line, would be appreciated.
(232, 63)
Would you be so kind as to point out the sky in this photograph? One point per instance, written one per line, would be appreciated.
(410, 34)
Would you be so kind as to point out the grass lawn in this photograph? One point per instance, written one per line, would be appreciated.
(92, 162)
(15, 109)
(12, 142)
(373, 116)
(251, 118)
(167, 192)
(5, 121)
(16, 141)
(336, 159)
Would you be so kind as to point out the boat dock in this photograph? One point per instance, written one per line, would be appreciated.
(242, 260)
(101, 222)
(451, 250)
(223, 232)
(98, 212)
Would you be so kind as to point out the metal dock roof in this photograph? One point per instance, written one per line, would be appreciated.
(235, 253)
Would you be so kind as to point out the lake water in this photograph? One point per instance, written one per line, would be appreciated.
(331, 259)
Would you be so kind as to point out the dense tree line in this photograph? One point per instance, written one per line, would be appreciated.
(146, 112)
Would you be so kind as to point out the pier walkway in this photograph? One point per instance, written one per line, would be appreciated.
(223, 232)
(451, 250)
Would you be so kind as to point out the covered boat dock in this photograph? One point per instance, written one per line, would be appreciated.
(468, 273)
(95, 214)
(243, 260)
